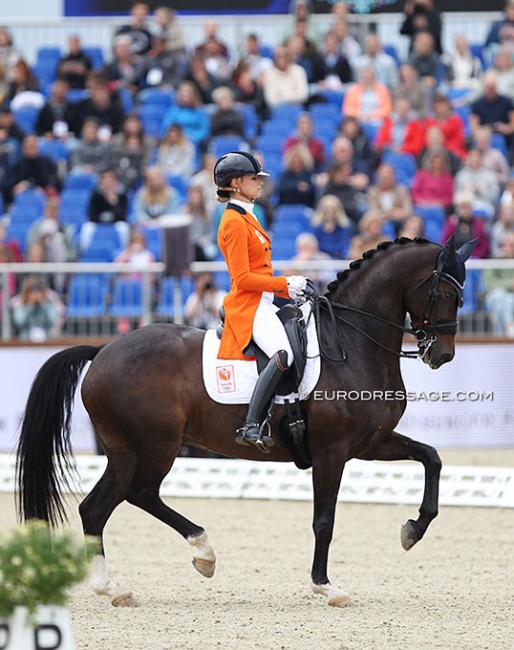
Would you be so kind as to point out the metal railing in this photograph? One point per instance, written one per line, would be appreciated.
(475, 318)
(31, 33)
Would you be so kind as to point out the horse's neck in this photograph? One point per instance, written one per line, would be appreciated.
(378, 288)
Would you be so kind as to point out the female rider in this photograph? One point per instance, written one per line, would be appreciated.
(249, 309)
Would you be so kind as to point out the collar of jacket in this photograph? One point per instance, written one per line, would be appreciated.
(249, 218)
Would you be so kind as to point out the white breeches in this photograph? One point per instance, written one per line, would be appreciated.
(268, 331)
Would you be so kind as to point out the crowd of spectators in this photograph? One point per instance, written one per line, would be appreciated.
(365, 145)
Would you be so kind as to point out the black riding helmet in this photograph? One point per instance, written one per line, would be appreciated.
(234, 165)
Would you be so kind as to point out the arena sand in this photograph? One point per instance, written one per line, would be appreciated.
(453, 591)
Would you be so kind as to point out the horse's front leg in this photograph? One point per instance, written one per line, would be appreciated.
(326, 478)
(398, 447)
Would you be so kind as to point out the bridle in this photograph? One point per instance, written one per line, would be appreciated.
(425, 329)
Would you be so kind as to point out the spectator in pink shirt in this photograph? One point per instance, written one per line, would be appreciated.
(434, 184)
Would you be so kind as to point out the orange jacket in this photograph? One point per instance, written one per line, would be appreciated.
(353, 97)
(246, 248)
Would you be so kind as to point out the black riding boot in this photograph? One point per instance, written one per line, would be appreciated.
(263, 392)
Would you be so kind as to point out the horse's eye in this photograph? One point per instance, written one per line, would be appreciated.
(447, 296)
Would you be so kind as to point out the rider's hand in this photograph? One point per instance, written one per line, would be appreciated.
(296, 286)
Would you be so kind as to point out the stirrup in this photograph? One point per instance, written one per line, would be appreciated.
(251, 433)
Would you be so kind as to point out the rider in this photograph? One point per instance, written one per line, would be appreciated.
(249, 309)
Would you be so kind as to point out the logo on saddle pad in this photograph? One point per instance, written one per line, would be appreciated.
(225, 379)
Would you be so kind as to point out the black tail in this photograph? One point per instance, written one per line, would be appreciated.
(44, 444)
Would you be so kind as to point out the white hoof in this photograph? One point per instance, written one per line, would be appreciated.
(204, 559)
(336, 597)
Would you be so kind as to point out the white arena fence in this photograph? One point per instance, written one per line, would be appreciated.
(150, 296)
(363, 482)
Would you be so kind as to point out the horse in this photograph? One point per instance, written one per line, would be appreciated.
(145, 396)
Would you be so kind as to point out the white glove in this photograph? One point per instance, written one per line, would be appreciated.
(296, 286)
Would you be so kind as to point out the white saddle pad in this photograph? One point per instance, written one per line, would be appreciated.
(231, 381)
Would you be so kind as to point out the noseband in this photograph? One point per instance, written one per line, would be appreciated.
(424, 329)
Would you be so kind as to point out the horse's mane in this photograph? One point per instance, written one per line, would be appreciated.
(357, 264)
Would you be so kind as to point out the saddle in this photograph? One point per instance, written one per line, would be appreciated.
(296, 330)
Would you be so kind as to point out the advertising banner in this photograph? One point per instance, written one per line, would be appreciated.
(466, 403)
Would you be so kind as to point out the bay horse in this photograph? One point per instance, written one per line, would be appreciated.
(145, 396)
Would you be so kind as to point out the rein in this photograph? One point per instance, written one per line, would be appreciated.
(424, 329)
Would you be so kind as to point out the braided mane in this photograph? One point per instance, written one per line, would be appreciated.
(356, 264)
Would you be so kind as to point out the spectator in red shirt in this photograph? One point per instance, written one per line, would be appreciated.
(401, 131)
(450, 123)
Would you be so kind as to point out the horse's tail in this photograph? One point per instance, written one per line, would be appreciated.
(44, 444)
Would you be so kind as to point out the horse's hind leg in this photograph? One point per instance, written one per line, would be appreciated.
(398, 447)
(144, 493)
(96, 509)
(326, 478)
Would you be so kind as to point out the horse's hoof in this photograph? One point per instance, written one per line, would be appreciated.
(125, 599)
(409, 535)
(335, 597)
(204, 567)
(343, 600)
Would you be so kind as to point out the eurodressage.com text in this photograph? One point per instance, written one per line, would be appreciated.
(399, 395)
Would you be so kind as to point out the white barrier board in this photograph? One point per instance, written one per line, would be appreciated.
(481, 374)
(363, 482)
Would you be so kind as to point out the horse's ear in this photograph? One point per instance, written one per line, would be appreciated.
(466, 250)
(449, 253)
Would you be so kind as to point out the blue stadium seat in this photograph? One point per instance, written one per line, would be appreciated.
(80, 181)
(295, 213)
(286, 229)
(392, 50)
(433, 219)
(55, 150)
(153, 238)
(165, 304)
(127, 298)
(404, 165)
(498, 142)
(95, 54)
(30, 198)
(179, 183)
(26, 214)
(75, 95)
(26, 118)
(269, 144)
(464, 113)
(282, 248)
(19, 231)
(151, 116)
(87, 296)
(477, 49)
(278, 128)
(333, 96)
(222, 144)
(287, 111)
(326, 111)
(155, 97)
(250, 119)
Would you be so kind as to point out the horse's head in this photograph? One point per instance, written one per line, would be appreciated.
(433, 303)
